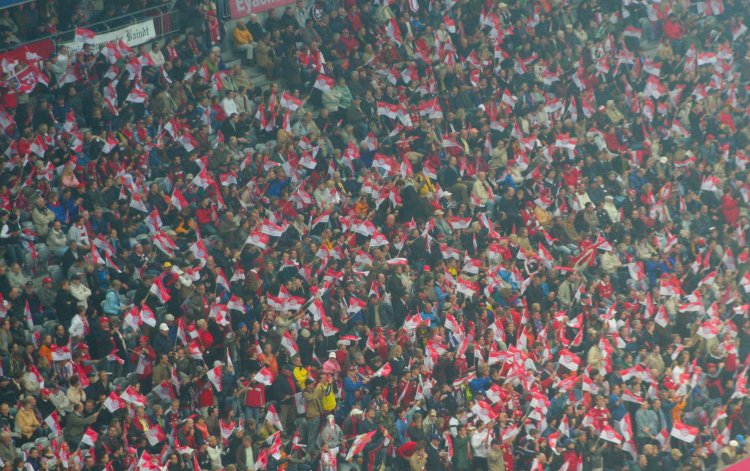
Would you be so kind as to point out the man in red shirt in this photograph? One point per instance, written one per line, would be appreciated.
(672, 29)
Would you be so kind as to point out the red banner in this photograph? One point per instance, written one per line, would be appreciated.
(31, 52)
(241, 8)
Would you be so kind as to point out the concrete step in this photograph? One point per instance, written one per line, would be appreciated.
(231, 63)
(256, 75)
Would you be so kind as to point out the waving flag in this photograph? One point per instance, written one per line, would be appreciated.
(264, 376)
(324, 83)
(327, 327)
(272, 417)
(610, 435)
(384, 371)
(131, 396)
(53, 422)
(569, 360)
(147, 315)
(484, 411)
(137, 95)
(683, 432)
(214, 375)
(160, 291)
(358, 445)
(287, 341)
(258, 239)
(89, 437)
(289, 102)
(114, 402)
(38, 146)
(137, 203)
(85, 36)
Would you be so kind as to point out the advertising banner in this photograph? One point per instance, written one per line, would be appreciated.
(133, 35)
(240, 8)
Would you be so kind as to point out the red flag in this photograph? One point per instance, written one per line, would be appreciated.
(384, 371)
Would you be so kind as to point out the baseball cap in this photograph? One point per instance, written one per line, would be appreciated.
(45, 391)
(164, 327)
(47, 280)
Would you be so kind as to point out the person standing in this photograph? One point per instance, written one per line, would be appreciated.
(313, 410)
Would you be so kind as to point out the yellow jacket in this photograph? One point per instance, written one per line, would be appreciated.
(242, 36)
(424, 185)
(27, 422)
(300, 375)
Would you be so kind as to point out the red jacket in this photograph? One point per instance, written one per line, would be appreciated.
(673, 30)
(207, 340)
(150, 357)
(255, 396)
(203, 216)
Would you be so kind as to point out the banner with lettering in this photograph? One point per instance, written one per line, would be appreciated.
(133, 35)
(240, 8)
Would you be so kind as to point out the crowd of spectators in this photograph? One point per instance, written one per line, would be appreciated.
(445, 236)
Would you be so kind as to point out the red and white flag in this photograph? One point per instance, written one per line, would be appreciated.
(60, 353)
(214, 375)
(287, 341)
(384, 371)
(147, 315)
(684, 432)
(484, 411)
(160, 291)
(272, 417)
(258, 239)
(745, 282)
(131, 396)
(569, 360)
(113, 402)
(610, 435)
(359, 444)
(466, 287)
(53, 422)
(85, 36)
(327, 327)
(137, 95)
(289, 102)
(324, 83)
(355, 305)
(264, 376)
(38, 146)
(89, 437)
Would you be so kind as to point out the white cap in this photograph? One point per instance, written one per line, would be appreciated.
(332, 355)
(163, 326)
(734, 443)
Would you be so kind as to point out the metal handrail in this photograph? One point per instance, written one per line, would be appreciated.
(132, 16)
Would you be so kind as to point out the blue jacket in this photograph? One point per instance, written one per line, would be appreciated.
(350, 388)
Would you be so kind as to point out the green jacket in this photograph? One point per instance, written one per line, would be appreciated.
(461, 453)
(75, 427)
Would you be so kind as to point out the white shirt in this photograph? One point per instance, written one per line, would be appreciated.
(79, 234)
(480, 443)
(229, 106)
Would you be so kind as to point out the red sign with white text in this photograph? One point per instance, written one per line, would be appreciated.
(240, 8)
